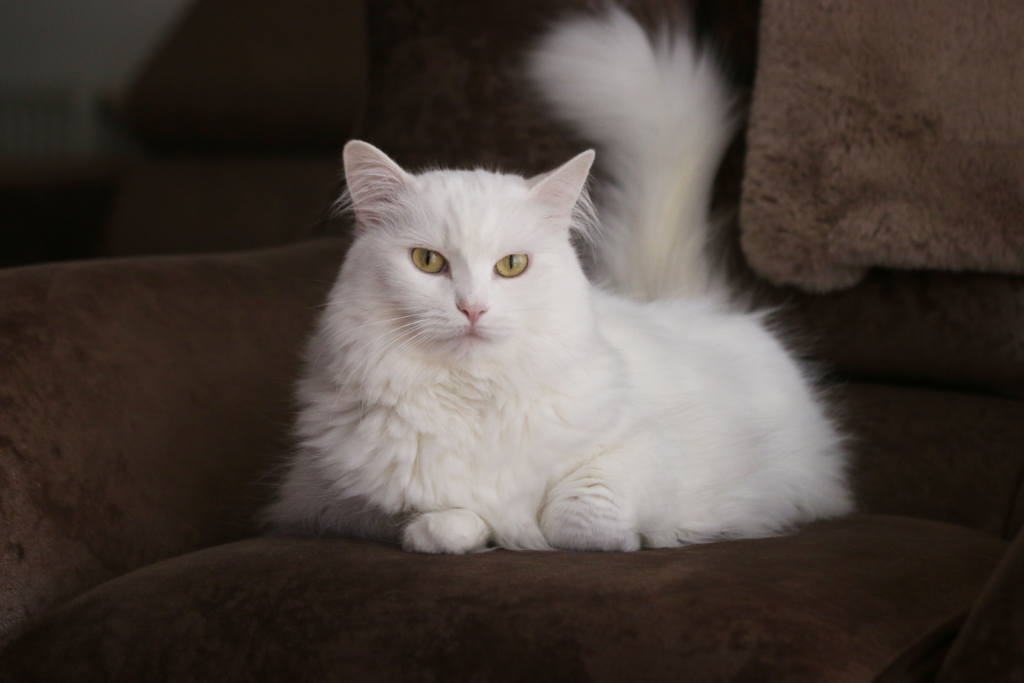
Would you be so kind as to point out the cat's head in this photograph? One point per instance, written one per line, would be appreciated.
(465, 263)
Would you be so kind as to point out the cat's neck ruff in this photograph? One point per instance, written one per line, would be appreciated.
(384, 367)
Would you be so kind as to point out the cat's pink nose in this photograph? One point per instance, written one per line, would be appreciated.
(473, 312)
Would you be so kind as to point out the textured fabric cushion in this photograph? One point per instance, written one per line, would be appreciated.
(943, 455)
(190, 205)
(265, 74)
(833, 602)
(885, 134)
(961, 330)
(990, 646)
(140, 399)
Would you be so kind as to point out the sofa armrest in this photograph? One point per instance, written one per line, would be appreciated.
(990, 646)
(140, 399)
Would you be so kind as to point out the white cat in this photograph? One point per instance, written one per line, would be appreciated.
(468, 386)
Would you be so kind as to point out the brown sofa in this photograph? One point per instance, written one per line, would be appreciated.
(144, 402)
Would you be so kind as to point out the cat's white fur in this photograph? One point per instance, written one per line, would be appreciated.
(640, 413)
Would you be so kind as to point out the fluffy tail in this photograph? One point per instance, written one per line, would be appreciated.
(661, 115)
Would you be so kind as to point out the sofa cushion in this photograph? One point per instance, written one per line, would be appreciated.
(962, 330)
(263, 74)
(835, 601)
(140, 399)
(944, 455)
(199, 205)
(990, 646)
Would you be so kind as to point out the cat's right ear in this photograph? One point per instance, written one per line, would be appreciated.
(563, 190)
(374, 181)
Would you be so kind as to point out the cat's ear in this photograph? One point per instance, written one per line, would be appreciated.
(374, 181)
(562, 188)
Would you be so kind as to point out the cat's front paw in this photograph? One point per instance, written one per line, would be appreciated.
(456, 532)
(584, 514)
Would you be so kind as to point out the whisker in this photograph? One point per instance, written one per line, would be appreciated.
(380, 322)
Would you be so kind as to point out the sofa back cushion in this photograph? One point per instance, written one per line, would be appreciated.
(262, 75)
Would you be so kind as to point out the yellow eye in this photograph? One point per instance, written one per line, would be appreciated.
(512, 265)
(428, 261)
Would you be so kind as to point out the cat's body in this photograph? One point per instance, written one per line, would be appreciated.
(454, 408)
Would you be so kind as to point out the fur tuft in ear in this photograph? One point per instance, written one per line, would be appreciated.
(374, 182)
(564, 192)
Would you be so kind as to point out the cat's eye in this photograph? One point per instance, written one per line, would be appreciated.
(428, 261)
(512, 265)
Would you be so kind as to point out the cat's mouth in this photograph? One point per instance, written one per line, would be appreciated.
(472, 335)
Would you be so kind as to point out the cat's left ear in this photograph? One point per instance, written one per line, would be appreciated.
(560, 189)
(374, 181)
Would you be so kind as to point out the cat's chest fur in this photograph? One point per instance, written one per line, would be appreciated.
(484, 439)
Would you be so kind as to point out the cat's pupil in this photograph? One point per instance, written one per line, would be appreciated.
(428, 258)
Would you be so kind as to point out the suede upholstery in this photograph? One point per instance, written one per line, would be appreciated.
(990, 647)
(937, 454)
(944, 329)
(140, 402)
(833, 602)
